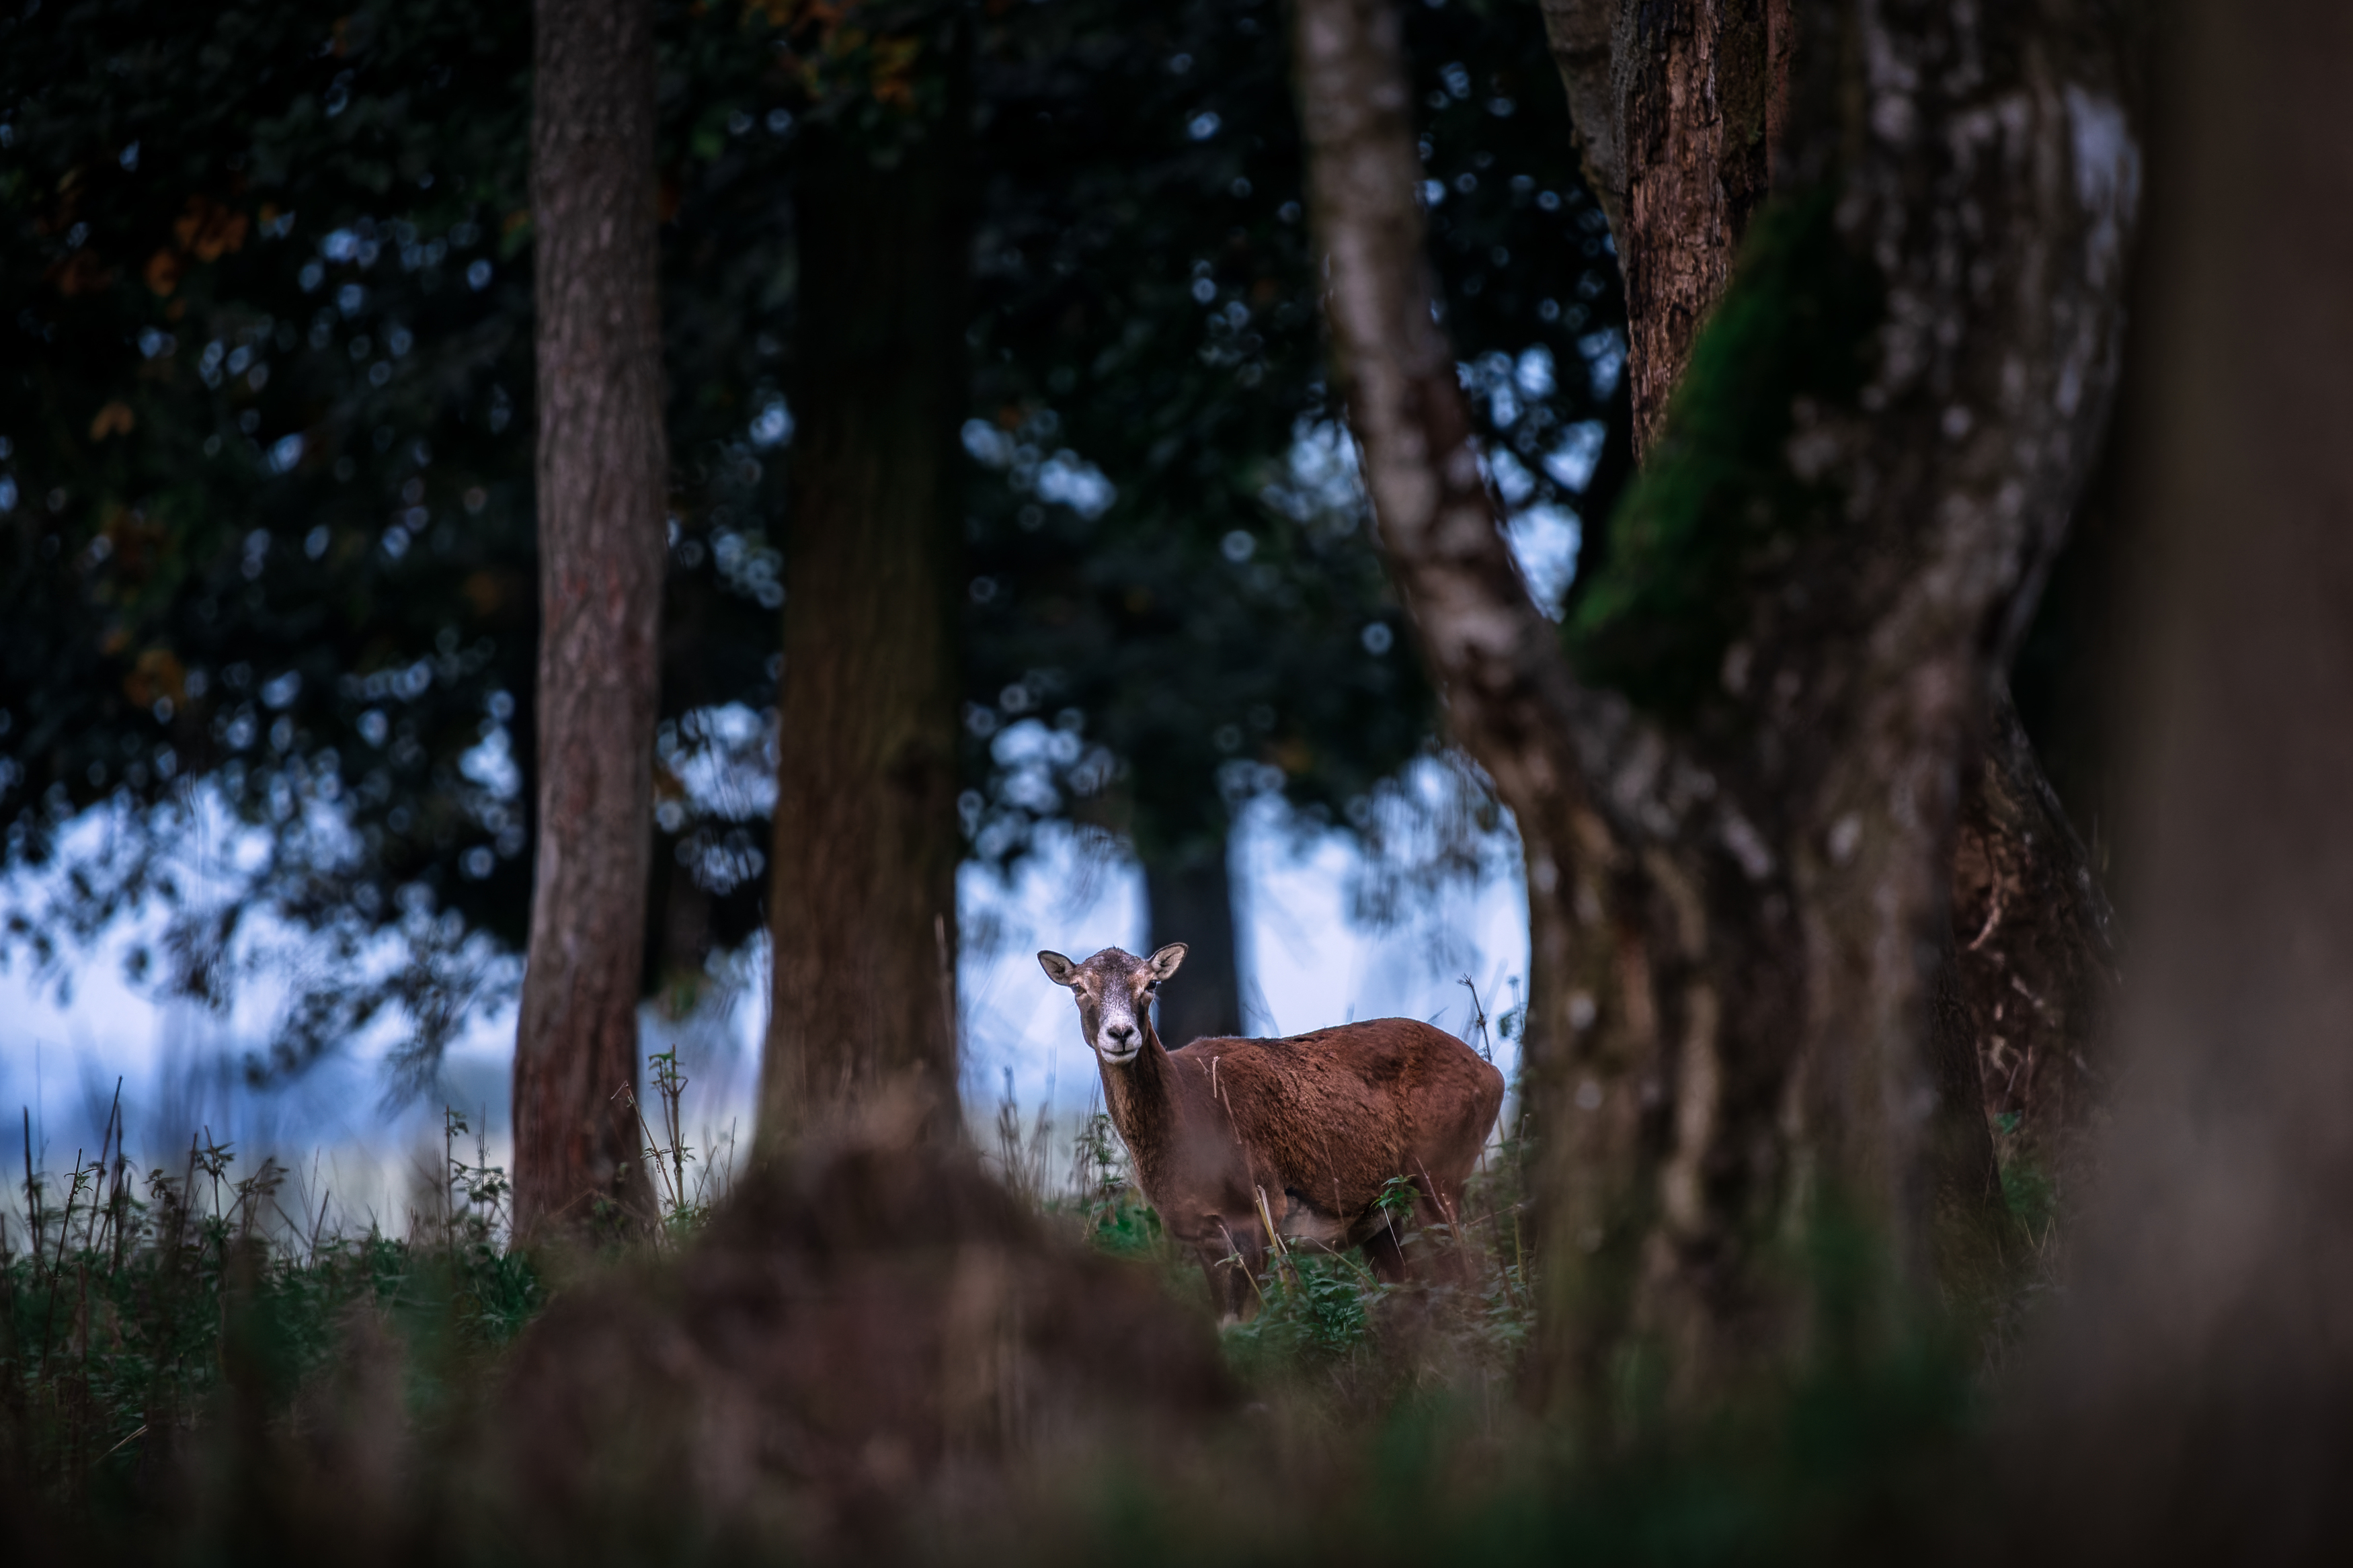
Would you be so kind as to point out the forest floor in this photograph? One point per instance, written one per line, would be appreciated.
(188, 1375)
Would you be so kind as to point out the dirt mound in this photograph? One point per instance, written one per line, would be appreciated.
(872, 1343)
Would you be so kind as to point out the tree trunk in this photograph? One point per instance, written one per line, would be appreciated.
(602, 475)
(1682, 110)
(2196, 1403)
(1737, 904)
(1189, 896)
(862, 896)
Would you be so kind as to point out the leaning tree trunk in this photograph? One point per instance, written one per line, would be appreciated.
(1189, 897)
(862, 898)
(1742, 886)
(602, 471)
(1682, 111)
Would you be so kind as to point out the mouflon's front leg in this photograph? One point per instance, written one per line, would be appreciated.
(1231, 1256)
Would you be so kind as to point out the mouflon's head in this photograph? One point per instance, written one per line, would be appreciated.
(1113, 990)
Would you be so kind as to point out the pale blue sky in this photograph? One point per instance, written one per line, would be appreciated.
(1305, 963)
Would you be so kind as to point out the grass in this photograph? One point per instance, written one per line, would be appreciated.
(137, 1311)
(149, 1321)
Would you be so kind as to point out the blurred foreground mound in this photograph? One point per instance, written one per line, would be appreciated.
(874, 1348)
(874, 1351)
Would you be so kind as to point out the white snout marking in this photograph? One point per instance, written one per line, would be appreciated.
(1119, 1036)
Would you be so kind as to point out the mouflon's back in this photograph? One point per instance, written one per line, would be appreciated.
(1337, 1112)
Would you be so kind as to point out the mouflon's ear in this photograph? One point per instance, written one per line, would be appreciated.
(1164, 963)
(1059, 970)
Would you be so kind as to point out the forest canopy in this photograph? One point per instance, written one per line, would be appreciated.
(269, 445)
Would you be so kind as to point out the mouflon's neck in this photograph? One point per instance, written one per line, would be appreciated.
(1141, 1096)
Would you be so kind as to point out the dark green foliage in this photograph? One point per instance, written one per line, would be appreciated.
(1147, 305)
(1718, 505)
(1113, 1217)
(268, 433)
(1311, 1310)
(264, 531)
(392, 570)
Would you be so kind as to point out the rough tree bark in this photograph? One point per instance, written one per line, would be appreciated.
(862, 897)
(1876, 450)
(1188, 895)
(2195, 1403)
(1682, 111)
(602, 473)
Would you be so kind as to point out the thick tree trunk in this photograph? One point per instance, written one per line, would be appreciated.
(602, 473)
(1682, 110)
(1190, 897)
(1879, 448)
(2196, 1403)
(862, 896)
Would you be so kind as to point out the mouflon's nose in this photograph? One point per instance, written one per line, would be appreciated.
(1120, 1034)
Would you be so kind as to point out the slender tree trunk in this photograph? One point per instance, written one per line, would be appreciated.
(602, 474)
(1682, 112)
(2195, 1403)
(1189, 896)
(862, 899)
(1742, 907)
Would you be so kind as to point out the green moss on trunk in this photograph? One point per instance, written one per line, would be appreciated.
(1718, 505)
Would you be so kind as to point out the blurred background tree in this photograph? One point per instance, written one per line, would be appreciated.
(862, 895)
(603, 471)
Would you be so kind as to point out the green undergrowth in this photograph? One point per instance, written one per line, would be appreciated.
(1375, 1423)
(1325, 1327)
(1324, 1324)
(136, 1312)
(1411, 1401)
